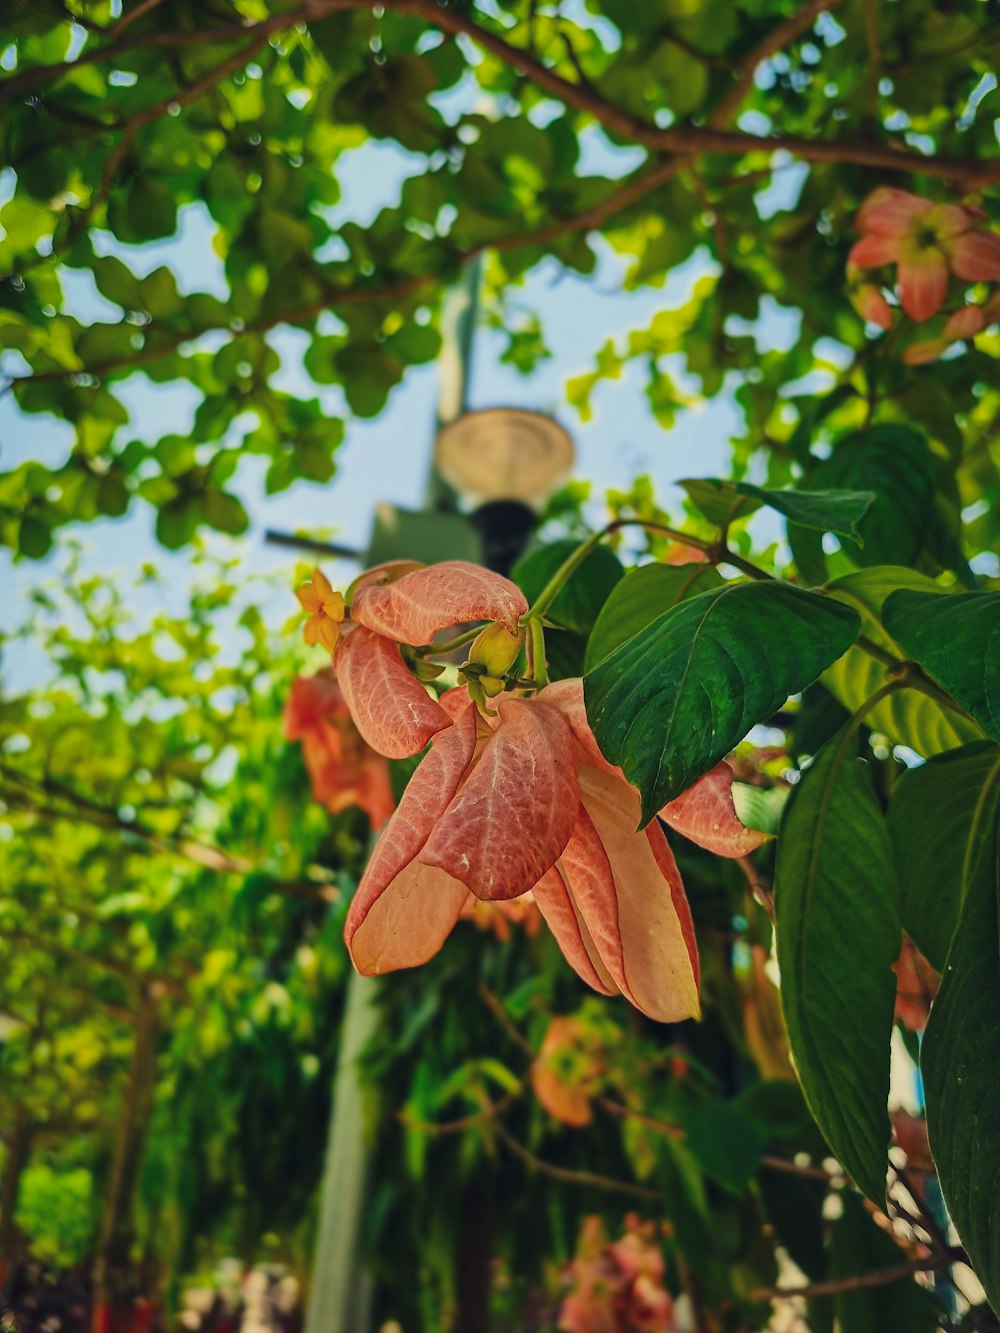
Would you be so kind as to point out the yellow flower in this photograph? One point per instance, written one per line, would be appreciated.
(326, 611)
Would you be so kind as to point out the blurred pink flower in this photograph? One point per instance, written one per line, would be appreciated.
(927, 242)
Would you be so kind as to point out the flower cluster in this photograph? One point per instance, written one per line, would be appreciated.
(512, 801)
(617, 1287)
(929, 244)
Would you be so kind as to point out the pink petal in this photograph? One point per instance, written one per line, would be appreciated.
(891, 212)
(413, 609)
(654, 922)
(966, 323)
(510, 822)
(920, 354)
(392, 710)
(311, 700)
(706, 814)
(403, 911)
(664, 858)
(454, 701)
(570, 930)
(923, 284)
(873, 306)
(872, 251)
(567, 697)
(976, 256)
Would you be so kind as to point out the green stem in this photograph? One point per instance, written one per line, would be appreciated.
(449, 645)
(573, 562)
(906, 674)
(536, 653)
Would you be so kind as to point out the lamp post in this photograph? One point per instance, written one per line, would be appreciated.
(504, 462)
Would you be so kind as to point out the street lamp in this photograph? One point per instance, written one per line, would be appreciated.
(507, 461)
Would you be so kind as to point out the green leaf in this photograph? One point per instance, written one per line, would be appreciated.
(907, 717)
(725, 1142)
(760, 808)
(641, 596)
(961, 1055)
(720, 501)
(580, 600)
(935, 819)
(827, 511)
(672, 701)
(33, 538)
(838, 934)
(794, 1208)
(957, 639)
(895, 465)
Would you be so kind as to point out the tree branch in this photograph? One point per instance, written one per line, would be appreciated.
(200, 853)
(635, 188)
(776, 40)
(567, 1175)
(880, 1278)
(688, 140)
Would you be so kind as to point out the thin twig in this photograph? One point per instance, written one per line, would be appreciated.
(858, 1282)
(491, 1111)
(760, 891)
(570, 1177)
(628, 1113)
(794, 1169)
(495, 1006)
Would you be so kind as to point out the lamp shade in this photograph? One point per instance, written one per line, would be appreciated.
(504, 453)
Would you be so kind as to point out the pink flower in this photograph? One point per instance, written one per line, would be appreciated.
(617, 1288)
(526, 802)
(567, 1070)
(927, 242)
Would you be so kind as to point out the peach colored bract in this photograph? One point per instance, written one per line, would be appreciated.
(391, 709)
(343, 769)
(528, 803)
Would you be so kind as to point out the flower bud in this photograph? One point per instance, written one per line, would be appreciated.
(496, 650)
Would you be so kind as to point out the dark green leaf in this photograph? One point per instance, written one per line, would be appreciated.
(725, 1142)
(961, 1055)
(672, 701)
(34, 538)
(641, 596)
(578, 604)
(838, 933)
(827, 511)
(907, 717)
(793, 1206)
(895, 465)
(957, 640)
(935, 821)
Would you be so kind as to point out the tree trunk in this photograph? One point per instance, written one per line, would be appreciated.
(18, 1148)
(111, 1265)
